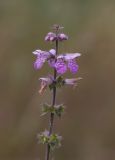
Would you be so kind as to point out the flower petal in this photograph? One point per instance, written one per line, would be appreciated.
(53, 52)
(60, 66)
(62, 37)
(73, 66)
(72, 81)
(51, 62)
(47, 80)
(39, 63)
(70, 56)
(37, 52)
(42, 56)
(41, 53)
(50, 36)
(61, 56)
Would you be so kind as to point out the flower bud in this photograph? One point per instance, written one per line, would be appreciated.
(62, 37)
(50, 36)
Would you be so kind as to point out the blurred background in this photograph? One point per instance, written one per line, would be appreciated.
(88, 125)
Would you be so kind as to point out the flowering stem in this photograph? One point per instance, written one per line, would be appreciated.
(60, 64)
(53, 103)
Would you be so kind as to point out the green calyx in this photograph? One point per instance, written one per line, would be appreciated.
(58, 83)
(53, 140)
(56, 109)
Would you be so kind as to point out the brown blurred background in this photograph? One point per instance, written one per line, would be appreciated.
(88, 126)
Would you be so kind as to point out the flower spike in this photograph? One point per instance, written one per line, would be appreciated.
(60, 64)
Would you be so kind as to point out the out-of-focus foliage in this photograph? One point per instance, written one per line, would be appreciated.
(88, 126)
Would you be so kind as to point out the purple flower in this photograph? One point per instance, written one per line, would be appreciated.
(53, 37)
(65, 61)
(60, 66)
(42, 57)
(61, 62)
(73, 66)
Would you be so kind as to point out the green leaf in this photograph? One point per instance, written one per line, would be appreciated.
(52, 85)
(59, 81)
(59, 109)
(46, 108)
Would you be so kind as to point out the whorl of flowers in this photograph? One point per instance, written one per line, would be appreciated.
(60, 63)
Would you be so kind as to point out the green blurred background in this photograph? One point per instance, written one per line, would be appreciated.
(88, 126)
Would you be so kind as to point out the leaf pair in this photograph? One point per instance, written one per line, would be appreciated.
(57, 109)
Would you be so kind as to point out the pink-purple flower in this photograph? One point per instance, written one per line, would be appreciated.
(42, 57)
(53, 37)
(67, 61)
(61, 63)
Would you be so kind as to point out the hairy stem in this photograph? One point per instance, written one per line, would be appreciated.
(52, 114)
